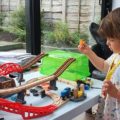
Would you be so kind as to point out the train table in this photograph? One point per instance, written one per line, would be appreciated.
(67, 111)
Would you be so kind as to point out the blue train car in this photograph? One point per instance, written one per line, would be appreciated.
(66, 93)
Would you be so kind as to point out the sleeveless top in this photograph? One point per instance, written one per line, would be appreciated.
(112, 105)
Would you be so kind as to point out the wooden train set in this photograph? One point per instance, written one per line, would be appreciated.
(8, 87)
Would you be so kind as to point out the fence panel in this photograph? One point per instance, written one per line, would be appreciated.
(78, 13)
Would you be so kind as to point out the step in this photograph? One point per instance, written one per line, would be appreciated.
(5, 46)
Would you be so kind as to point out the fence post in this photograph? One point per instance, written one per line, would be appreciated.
(0, 5)
(64, 9)
(79, 14)
(51, 11)
(19, 2)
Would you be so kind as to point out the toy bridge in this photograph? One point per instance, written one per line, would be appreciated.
(29, 112)
(37, 81)
(8, 68)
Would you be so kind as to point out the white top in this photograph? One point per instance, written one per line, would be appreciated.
(112, 105)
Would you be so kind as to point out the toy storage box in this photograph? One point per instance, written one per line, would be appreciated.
(77, 70)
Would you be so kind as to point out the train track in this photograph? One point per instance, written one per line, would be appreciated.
(33, 112)
(57, 101)
(63, 67)
(33, 61)
(8, 68)
(17, 89)
(29, 112)
(37, 81)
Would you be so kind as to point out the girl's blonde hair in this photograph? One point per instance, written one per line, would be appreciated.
(110, 25)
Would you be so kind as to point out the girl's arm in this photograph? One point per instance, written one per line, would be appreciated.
(110, 88)
(98, 62)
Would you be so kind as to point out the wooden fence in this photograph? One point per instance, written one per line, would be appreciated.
(10, 5)
(78, 14)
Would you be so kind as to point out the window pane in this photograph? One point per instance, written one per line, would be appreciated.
(12, 22)
(65, 22)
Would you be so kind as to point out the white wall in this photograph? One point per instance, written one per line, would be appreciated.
(115, 4)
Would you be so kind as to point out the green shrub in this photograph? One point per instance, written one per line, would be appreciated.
(48, 38)
(17, 24)
(58, 36)
(44, 25)
(61, 36)
(76, 36)
(61, 32)
(2, 17)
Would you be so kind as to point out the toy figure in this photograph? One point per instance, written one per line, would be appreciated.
(20, 97)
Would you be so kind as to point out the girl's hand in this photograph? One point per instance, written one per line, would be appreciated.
(109, 88)
(84, 48)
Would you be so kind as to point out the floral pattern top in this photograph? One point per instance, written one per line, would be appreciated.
(112, 105)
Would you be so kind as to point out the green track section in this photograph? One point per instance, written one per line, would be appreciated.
(77, 70)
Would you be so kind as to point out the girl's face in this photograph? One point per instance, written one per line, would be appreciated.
(113, 44)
